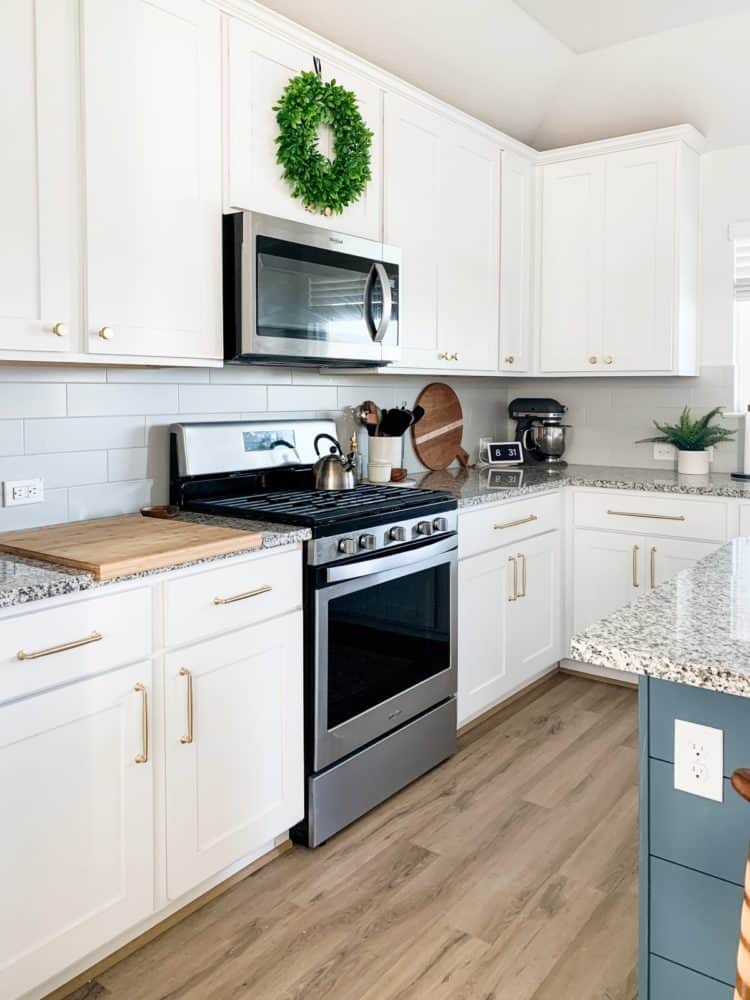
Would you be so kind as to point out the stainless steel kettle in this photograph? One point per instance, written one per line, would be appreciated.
(334, 471)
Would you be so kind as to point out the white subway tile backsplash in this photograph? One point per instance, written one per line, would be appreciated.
(106, 500)
(11, 437)
(302, 397)
(113, 400)
(53, 510)
(74, 469)
(221, 398)
(151, 376)
(250, 374)
(84, 434)
(31, 399)
(127, 463)
(52, 373)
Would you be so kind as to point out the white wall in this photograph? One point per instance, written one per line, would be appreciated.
(98, 437)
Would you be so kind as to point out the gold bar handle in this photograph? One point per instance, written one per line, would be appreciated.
(75, 644)
(513, 560)
(522, 557)
(142, 757)
(265, 589)
(651, 517)
(653, 566)
(515, 524)
(635, 566)
(184, 672)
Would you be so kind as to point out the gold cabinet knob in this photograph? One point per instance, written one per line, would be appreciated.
(593, 359)
(454, 356)
(60, 329)
(443, 356)
(608, 360)
(510, 359)
(106, 333)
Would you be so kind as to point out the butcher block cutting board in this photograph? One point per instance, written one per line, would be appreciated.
(118, 546)
(437, 436)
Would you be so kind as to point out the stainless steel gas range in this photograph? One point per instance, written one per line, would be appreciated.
(379, 607)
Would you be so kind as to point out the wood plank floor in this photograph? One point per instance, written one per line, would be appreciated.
(509, 873)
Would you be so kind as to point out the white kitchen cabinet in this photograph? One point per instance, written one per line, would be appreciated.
(534, 619)
(77, 845)
(260, 65)
(516, 240)
(152, 125)
(619, 257)
(666, 557)
(234, 750)
(39, 208)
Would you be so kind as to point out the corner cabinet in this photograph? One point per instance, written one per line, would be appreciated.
(618, 262)
(260, 64)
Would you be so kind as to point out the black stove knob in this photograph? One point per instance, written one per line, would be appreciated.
(367, 541)
(424, 528)
(347, 546)
(397, 534)
(440, 524)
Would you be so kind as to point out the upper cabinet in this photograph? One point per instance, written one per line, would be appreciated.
(442, 208)
(516, 260)
(39, 218)
(260, 66)
(619, 255)
(152, 119)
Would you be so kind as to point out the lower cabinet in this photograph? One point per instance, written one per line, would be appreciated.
(77, 845)
(508, 620)
(234, 761)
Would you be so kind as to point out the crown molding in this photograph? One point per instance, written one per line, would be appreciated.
(686, 134)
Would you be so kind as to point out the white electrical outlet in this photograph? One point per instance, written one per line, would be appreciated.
(663, 452)
(23, 491)
(699, 760)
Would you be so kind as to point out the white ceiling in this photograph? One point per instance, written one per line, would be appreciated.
(584, 25)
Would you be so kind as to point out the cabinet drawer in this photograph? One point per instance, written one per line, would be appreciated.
(695, 919)
(42, 649)
(729, 712)
(232, 596)
(644, 513)
(711, 837)
(668, 981)
(490, 527)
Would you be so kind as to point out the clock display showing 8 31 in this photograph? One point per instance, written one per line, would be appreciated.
(504, 453)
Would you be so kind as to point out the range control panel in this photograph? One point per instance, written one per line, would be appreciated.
(388, 536)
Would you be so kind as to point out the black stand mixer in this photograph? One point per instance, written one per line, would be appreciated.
(540, 429)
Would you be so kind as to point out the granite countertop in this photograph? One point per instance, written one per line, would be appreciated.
(25, 580)
(473, 487)
(693, 629)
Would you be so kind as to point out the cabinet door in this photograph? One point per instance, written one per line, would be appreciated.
(572, 265)
(484, 586)
(152, 111)
(38, 176)
(469, 210)
(77, 857)
(515, 263)
(640, 263)
(260, 66)
(413, 222)
(235, 769)
(534, 619)
(609, 573)
(667, 556)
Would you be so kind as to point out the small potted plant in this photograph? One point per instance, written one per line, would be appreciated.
(691, 438)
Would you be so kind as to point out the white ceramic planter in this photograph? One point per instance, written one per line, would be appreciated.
(692, 463)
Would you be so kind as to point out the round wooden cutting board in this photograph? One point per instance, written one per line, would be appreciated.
(437, 436)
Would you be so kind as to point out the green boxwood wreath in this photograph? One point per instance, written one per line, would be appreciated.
(325, 186)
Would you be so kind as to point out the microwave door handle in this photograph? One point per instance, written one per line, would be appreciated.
(378, 271)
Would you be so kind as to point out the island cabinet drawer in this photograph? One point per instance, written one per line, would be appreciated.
(694, 919)
(491, 527)
(729, 712)
(668, 981)
(232, 596)
(644, 513)
(43, 649)
(699, 833)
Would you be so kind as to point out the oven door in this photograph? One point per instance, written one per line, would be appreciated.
(384, 645)
(320, 295)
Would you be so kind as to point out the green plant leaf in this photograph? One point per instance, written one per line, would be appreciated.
(689, 434)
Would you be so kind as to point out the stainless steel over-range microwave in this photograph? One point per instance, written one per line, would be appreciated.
(298, 294)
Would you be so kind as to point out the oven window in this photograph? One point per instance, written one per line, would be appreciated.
(386, 638)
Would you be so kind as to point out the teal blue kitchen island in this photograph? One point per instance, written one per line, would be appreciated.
(689, 639)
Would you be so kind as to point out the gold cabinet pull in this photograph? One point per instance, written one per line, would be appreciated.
(515, 524)
(652, 517)
(513, 560)
(188, 738)
(94, 637)
(653, 566)
(265, 589)
(522, 592)
(142, 757)
(635, 566)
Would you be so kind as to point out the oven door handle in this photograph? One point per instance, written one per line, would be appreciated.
(352, 571)
(379, 273)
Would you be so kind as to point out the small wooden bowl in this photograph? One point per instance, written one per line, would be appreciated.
(164, 511)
